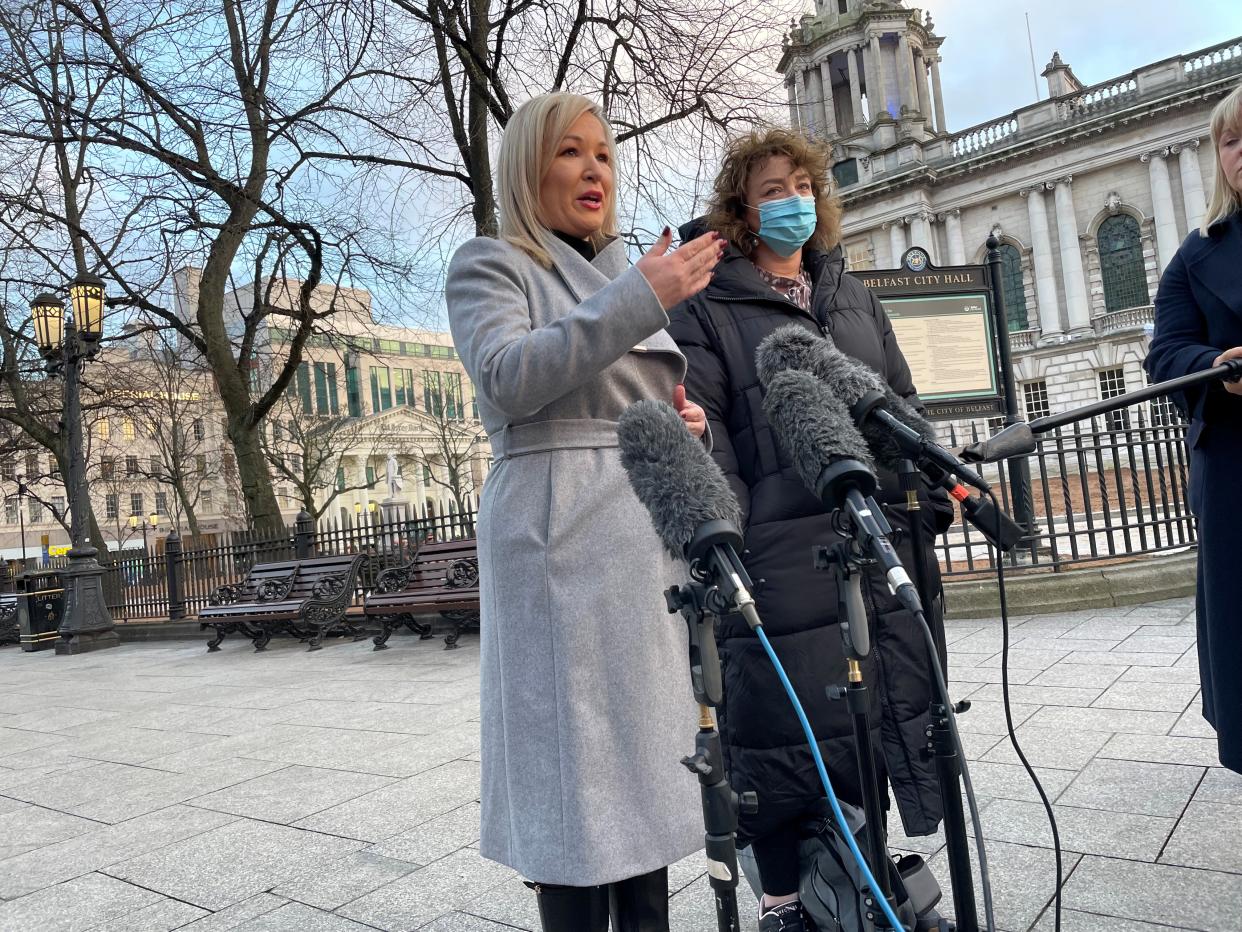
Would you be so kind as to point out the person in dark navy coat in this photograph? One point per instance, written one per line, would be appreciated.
(1199, 325)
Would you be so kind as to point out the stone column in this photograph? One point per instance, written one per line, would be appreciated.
(875, 79)
(920, 79)
(897, 239)
(921, 232)
(953, 231)
(809, 123)
(1192, 182)
(1076, 307)
(856, 109)
(1041, 261)
(881, 245)
(830, 103)
(795, 117)
(1162, 205)
(936, 92)
(908, 95)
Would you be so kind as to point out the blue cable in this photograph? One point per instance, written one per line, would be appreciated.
(823, 776)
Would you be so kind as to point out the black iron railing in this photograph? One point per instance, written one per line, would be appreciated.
(1107, 489)
(1104, 490)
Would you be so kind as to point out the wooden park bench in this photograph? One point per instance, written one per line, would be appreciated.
(443, 578)
(305, 598)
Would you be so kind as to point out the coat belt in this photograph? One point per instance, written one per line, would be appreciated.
(543, 436)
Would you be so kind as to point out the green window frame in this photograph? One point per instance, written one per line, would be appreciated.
(381, 389)
(304, 387)
(353, 388)
(1121, 263)
(1013, 289)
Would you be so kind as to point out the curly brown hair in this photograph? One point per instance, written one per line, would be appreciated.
(726, 211)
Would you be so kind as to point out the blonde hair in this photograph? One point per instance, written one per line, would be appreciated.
(726, 212)
(1225, 200)
(527, 149)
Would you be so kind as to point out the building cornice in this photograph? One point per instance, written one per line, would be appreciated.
(1033, 148)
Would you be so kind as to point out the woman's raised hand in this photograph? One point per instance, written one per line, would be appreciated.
(675, 276)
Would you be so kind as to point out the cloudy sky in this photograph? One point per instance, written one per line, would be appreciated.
(987, 62)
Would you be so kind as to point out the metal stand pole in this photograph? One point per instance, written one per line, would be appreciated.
(940, 738)
(721, 805)
(856, 640)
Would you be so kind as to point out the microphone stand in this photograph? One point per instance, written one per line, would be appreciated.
(700, 604)
(847, 567)
(939, 737)
(1018, 439)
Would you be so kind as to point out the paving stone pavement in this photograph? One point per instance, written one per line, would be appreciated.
(156, 787)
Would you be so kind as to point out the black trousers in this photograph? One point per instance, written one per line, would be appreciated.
(637, 904)
(777, 856)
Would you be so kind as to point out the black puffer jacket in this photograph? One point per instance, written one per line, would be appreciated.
(719, 330)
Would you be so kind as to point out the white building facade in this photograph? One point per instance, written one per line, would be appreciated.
(1090, 191)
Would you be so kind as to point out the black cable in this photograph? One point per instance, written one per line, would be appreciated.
(942, 687)
(1013, 737)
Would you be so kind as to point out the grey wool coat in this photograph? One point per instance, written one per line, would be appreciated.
(586, 701)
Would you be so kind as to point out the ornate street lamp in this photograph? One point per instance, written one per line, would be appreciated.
(87, 294)
(153, 522)
(66, 346)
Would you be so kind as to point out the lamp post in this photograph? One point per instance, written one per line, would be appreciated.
(137, 521)
(66, 345)
(1019, 468)
(21, 515)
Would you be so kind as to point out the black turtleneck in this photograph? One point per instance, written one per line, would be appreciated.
(582, 247)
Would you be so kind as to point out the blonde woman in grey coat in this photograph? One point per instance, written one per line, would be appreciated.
(586, 700)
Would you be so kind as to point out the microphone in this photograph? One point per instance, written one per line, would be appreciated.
(980, 512)
(1015, 440)
(828, 453)
(831, 459)
(892, 428)
(695, 513)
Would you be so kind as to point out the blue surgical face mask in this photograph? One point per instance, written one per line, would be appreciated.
(786, 224)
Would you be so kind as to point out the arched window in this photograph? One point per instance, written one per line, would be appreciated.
(1012, 287)
(1121, 263)
(845, 172)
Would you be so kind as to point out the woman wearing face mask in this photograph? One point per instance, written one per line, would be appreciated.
(784, 264)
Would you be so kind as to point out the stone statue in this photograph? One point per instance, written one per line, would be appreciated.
(394, 476)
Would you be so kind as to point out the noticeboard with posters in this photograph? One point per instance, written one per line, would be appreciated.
(942, 318)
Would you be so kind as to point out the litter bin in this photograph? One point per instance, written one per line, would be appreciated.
(40, 607)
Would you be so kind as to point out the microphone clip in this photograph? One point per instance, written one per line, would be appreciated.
(694, 601)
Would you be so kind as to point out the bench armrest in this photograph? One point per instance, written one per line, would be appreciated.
(395, 578)
(463, 574)
(274, 590)
(229, 594)
(329, 587)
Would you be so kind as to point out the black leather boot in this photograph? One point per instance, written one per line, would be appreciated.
(640, 904)
(571, 909)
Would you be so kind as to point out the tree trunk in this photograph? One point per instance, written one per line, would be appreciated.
(256, 481)
(94, 533)
(480, 167)
(186, 506)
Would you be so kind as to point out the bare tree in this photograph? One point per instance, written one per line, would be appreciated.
(172, 403)
(252, 140)
(672, 75)
(134, 161)
(310, 451)
(457, 440)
